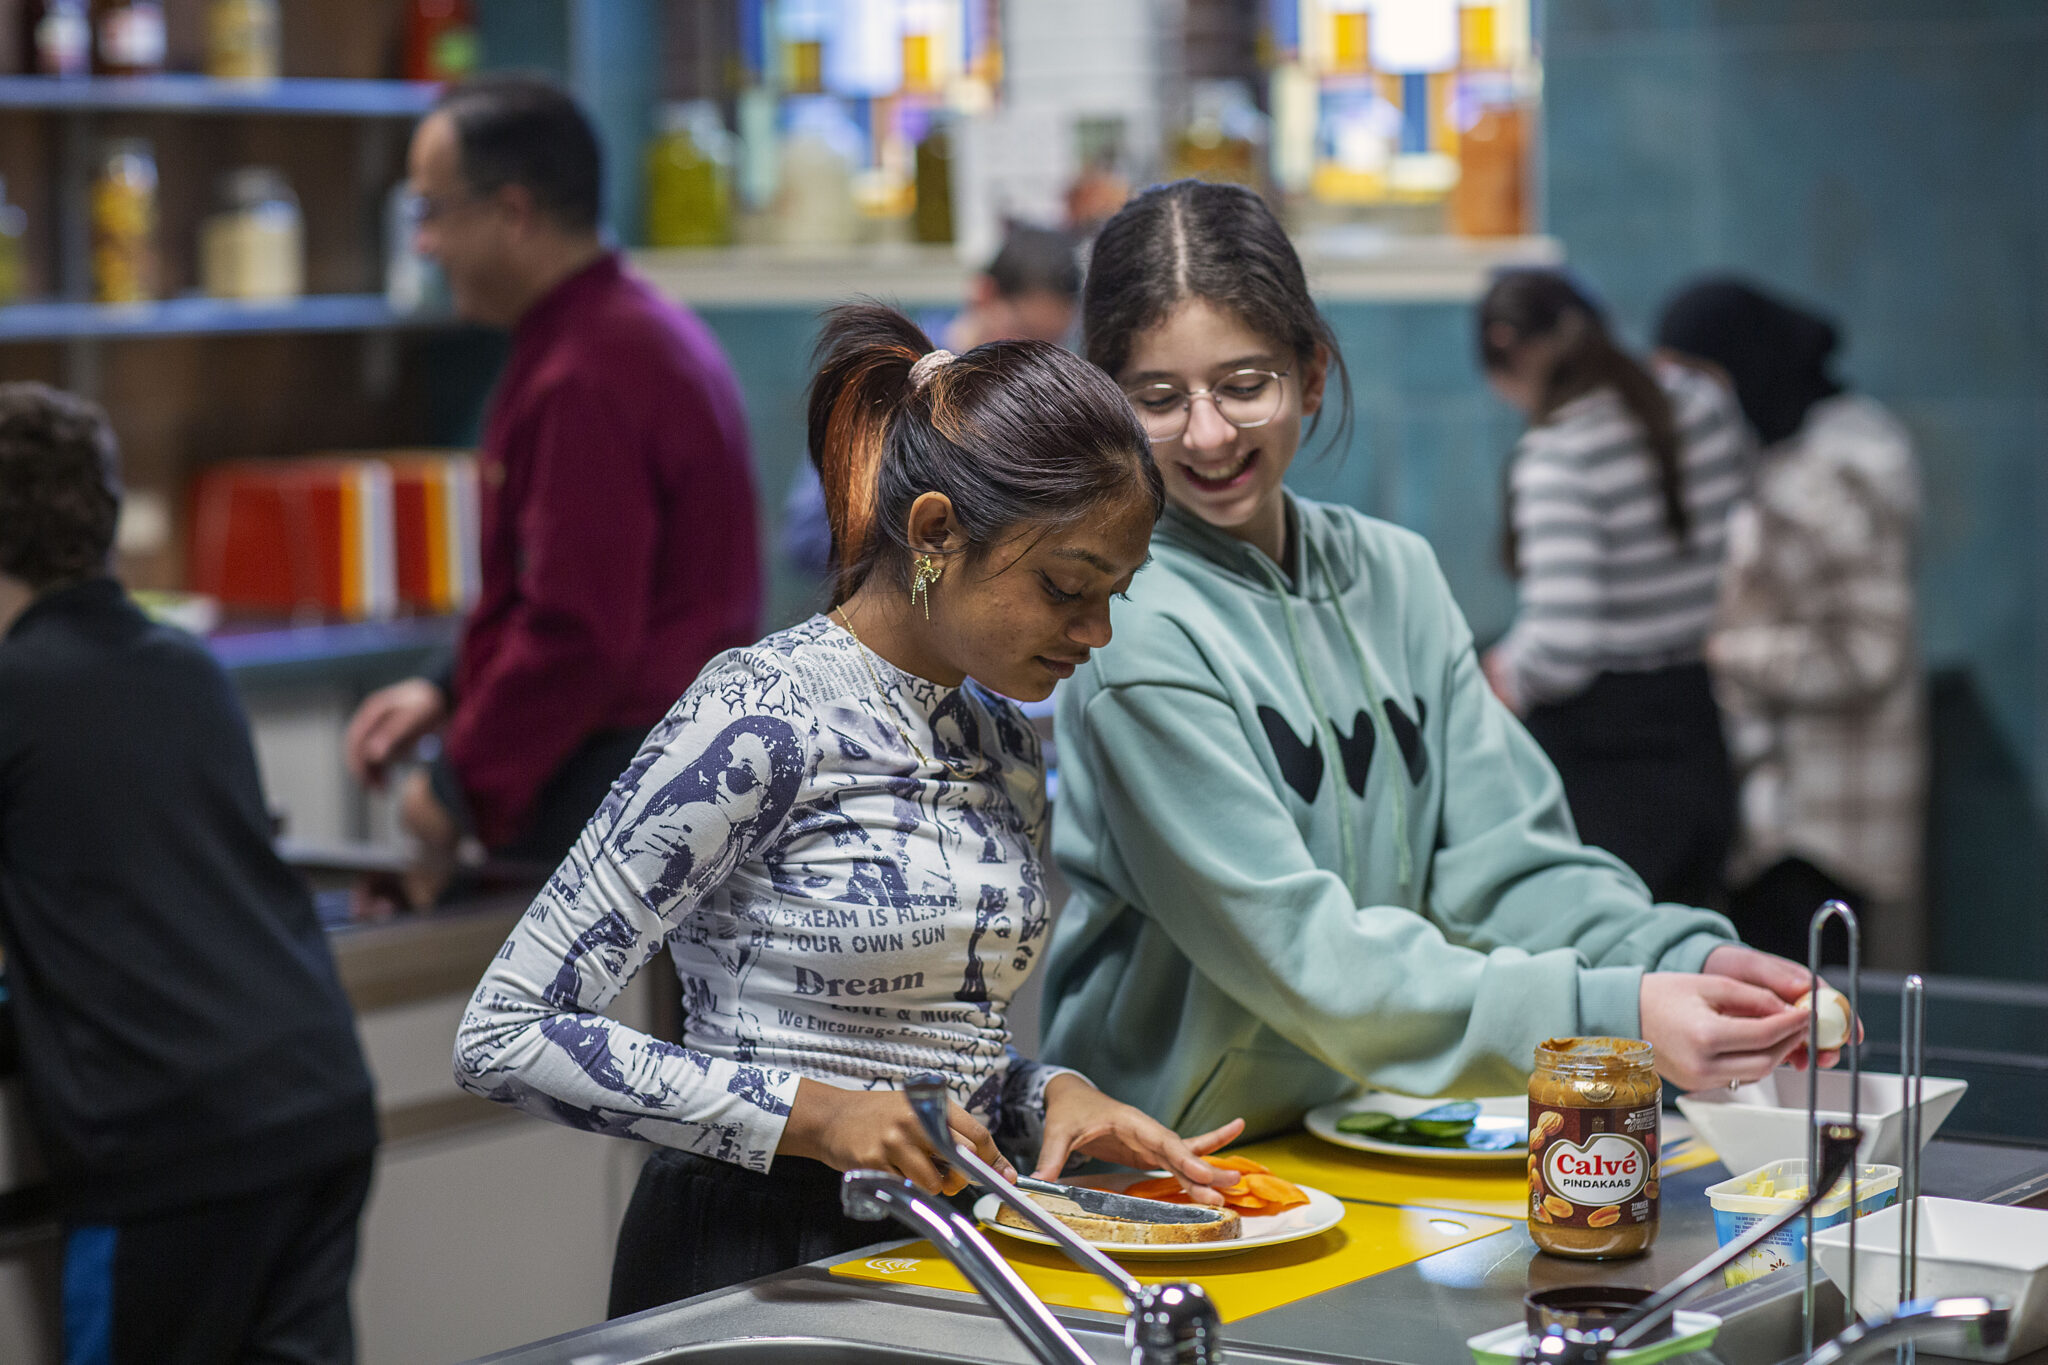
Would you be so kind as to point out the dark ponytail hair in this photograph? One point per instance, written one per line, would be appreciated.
(1194, 240)
(1014, 433)
(1534, 304)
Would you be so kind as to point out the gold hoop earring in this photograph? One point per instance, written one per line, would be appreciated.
(923, 574)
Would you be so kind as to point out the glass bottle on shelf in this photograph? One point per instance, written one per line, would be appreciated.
(1223, 137)
(242, 40)
(440, 40)
(253, 247)
(129, 37)
(13, 224)
(56, 38)
(689, 178)
(1491, 197)
(932, 220)
(124, 223)
(814, 195)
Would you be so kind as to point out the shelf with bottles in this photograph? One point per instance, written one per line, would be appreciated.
(816, 124)
(250, 42)
(1417, 116)
(1346, 263)
(211, 95)
(115, 262)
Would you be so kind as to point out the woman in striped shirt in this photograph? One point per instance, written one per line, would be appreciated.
(1615, 529)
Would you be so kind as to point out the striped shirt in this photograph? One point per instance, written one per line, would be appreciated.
(1604, 585)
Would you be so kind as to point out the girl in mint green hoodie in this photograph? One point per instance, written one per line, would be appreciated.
(1309, 849)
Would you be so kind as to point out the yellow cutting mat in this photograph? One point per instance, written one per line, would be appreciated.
(1372, 1238)
(1494, 1191)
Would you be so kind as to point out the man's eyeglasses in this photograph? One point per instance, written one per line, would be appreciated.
(421, 209)
(1243, 398)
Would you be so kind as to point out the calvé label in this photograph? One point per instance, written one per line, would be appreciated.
(1592, 1168)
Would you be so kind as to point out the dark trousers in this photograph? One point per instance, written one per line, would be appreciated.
(567, 800)
(573, 794)
(259, 1279)
(696, 1225)
(1773, 911)
(1646, 771)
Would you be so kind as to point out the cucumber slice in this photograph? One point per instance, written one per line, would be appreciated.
(1457, 1111)
(1371, 1123)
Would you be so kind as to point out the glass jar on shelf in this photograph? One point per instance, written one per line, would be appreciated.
(56, 38)
(124, 212)
(130, 39)
(253, 246)
(814, 196)
(13, 226)
(689, 178)
(243, 40)
(932, 219)
(1224, 137)
(440, 40)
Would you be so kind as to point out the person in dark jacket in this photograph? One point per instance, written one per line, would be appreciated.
(619, 541)
(188, 1059)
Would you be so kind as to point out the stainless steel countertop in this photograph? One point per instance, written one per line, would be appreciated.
(1419, 1314)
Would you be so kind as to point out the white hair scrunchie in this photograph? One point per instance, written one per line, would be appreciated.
(928, 364)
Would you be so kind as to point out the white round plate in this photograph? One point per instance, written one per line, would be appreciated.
(1511, 1111)
(1320, 1214)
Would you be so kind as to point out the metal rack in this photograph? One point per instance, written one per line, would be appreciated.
(1833, 910)
(1912, 1076)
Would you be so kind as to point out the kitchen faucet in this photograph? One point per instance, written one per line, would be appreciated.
(1945, 1326)
(875, 1195)
(1167, 1324)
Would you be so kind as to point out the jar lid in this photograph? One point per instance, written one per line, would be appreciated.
(1594, 1054)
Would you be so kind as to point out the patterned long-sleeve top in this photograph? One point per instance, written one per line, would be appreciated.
(1603, 585)
(1815, 659)
(836, 909)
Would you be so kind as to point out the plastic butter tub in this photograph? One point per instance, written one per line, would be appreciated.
(1756, 1196)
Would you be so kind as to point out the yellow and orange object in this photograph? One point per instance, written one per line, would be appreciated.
(1258, 1191)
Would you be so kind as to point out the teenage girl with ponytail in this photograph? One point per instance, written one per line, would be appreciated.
(835, 833)
(1309, 848)
(1615, 528)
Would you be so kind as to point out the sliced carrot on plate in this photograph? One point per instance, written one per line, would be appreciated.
(1242, 1164)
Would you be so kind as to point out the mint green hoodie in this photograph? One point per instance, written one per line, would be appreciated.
(1309, 848)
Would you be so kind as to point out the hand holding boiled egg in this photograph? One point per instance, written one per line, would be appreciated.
(1791, 982)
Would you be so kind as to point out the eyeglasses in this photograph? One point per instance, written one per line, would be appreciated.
(1243, 398)
(421, 209)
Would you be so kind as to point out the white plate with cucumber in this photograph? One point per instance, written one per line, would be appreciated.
(1486, 1130)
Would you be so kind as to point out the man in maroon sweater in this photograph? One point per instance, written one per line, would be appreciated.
(618, 517)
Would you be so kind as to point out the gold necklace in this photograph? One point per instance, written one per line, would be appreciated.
(882, 694)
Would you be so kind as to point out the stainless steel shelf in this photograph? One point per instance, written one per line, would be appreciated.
(204, 95)
(202, 317)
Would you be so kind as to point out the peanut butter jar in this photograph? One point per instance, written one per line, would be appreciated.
(1593, 1130)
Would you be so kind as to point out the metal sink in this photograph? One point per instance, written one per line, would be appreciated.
(798, 1351)
(807, 1350)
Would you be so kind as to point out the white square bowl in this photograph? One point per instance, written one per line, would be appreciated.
(1757, 1124)
(1995, 1250)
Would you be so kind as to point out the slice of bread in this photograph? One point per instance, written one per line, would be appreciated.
(1222, 1228)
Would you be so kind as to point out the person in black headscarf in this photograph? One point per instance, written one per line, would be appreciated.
(1813, 651)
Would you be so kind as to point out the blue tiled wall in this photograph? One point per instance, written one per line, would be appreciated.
(1888, 160)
